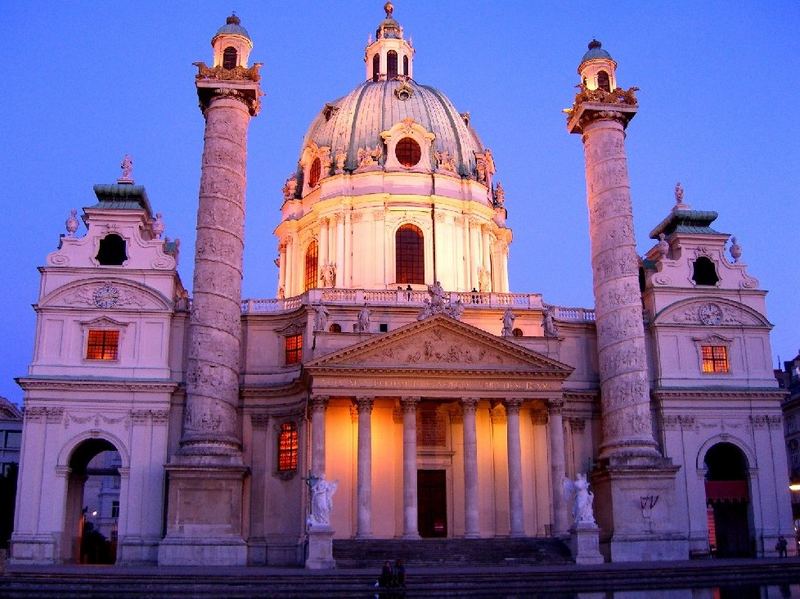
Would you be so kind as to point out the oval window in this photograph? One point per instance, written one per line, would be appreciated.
(316, 170)
(408, 152)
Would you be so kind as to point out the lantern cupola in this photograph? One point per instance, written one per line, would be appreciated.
(232, 44)
(390, 56)
(598, 69)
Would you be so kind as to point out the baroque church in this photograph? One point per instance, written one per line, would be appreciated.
(396, 365)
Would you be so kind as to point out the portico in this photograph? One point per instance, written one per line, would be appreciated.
(440, 396)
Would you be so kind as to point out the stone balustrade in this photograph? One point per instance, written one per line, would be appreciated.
(388, 297)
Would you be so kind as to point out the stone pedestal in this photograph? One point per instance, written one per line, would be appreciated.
(635, 507)
(204, 522)
(585, 544)
(320, 549)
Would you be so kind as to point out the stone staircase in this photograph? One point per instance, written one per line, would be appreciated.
(373, 553)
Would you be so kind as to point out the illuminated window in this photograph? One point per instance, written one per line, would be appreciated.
(314, 173)
(704, 272)
(603, 82)
(409, 255)
(229, 58)
(391, 65)
(294, 349)
(715, 358)
(112, 251)
(376, 67)
(102, 345)
(287, 447)
(408, 152)
(405, 66)
(310, 280)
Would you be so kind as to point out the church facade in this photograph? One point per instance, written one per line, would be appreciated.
(395, 360)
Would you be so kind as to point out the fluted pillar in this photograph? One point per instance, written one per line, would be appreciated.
(474, 253)
(282, 267)
(471, 512)
(323, 242)
(290, 267)
(318, 406)
(364, 470)
(516, 512)
(410, 517)
(340, 251)
(555, 431)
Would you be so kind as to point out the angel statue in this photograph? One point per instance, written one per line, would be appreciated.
(321, 501)
(578, 490)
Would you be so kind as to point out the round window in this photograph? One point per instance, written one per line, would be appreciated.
(408, 152)
(316, 170)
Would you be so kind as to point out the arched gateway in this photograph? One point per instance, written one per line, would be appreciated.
(728, 499)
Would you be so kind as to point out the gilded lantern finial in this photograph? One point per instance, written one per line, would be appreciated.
(389, 8)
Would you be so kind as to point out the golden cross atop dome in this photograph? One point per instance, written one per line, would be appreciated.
(389, 8)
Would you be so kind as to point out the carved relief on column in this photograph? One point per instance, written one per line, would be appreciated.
(625, 398)
(211, 425)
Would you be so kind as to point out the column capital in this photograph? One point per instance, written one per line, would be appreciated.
(468, 404)
(513, 405)
(409, 404)
(364, 403)
(318, 403)
(555, 406)
(539, 417)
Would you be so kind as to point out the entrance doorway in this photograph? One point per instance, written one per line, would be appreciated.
(432, 503)
(92, 503)
(728, 501)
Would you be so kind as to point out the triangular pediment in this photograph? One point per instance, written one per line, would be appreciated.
(440, 343)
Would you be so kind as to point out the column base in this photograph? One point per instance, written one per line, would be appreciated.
(635, 507)
(320, 549)
(412, 536)
(33, 549)
(204, 517)
(585, 544)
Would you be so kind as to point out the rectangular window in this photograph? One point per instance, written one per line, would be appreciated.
(115, 509)
(102, 345)
(294, 349)
(715, 358)
(13, 439)
(288, 446)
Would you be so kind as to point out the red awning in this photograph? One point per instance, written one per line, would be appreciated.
(727, 490)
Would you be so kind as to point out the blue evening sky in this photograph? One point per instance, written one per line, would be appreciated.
(86, 82)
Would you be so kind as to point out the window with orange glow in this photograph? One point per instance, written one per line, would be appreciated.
(229, 58)
(294, 349)
(315, 173)
(715, 358)
(408, 152)
(102, 345)
(409, 255)
(287, 447)
(312, 260)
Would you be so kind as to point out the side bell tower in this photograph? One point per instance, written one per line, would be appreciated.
(633, 482)
(206, 476)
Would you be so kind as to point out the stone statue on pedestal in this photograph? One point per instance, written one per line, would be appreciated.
(582, 509)
(508, 323)
(321, 504)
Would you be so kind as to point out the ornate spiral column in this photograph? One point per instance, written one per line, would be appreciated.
(471, 509)
(410, 516)
(364, 470)
(629, 466)
(206, 477)
(515, 504)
